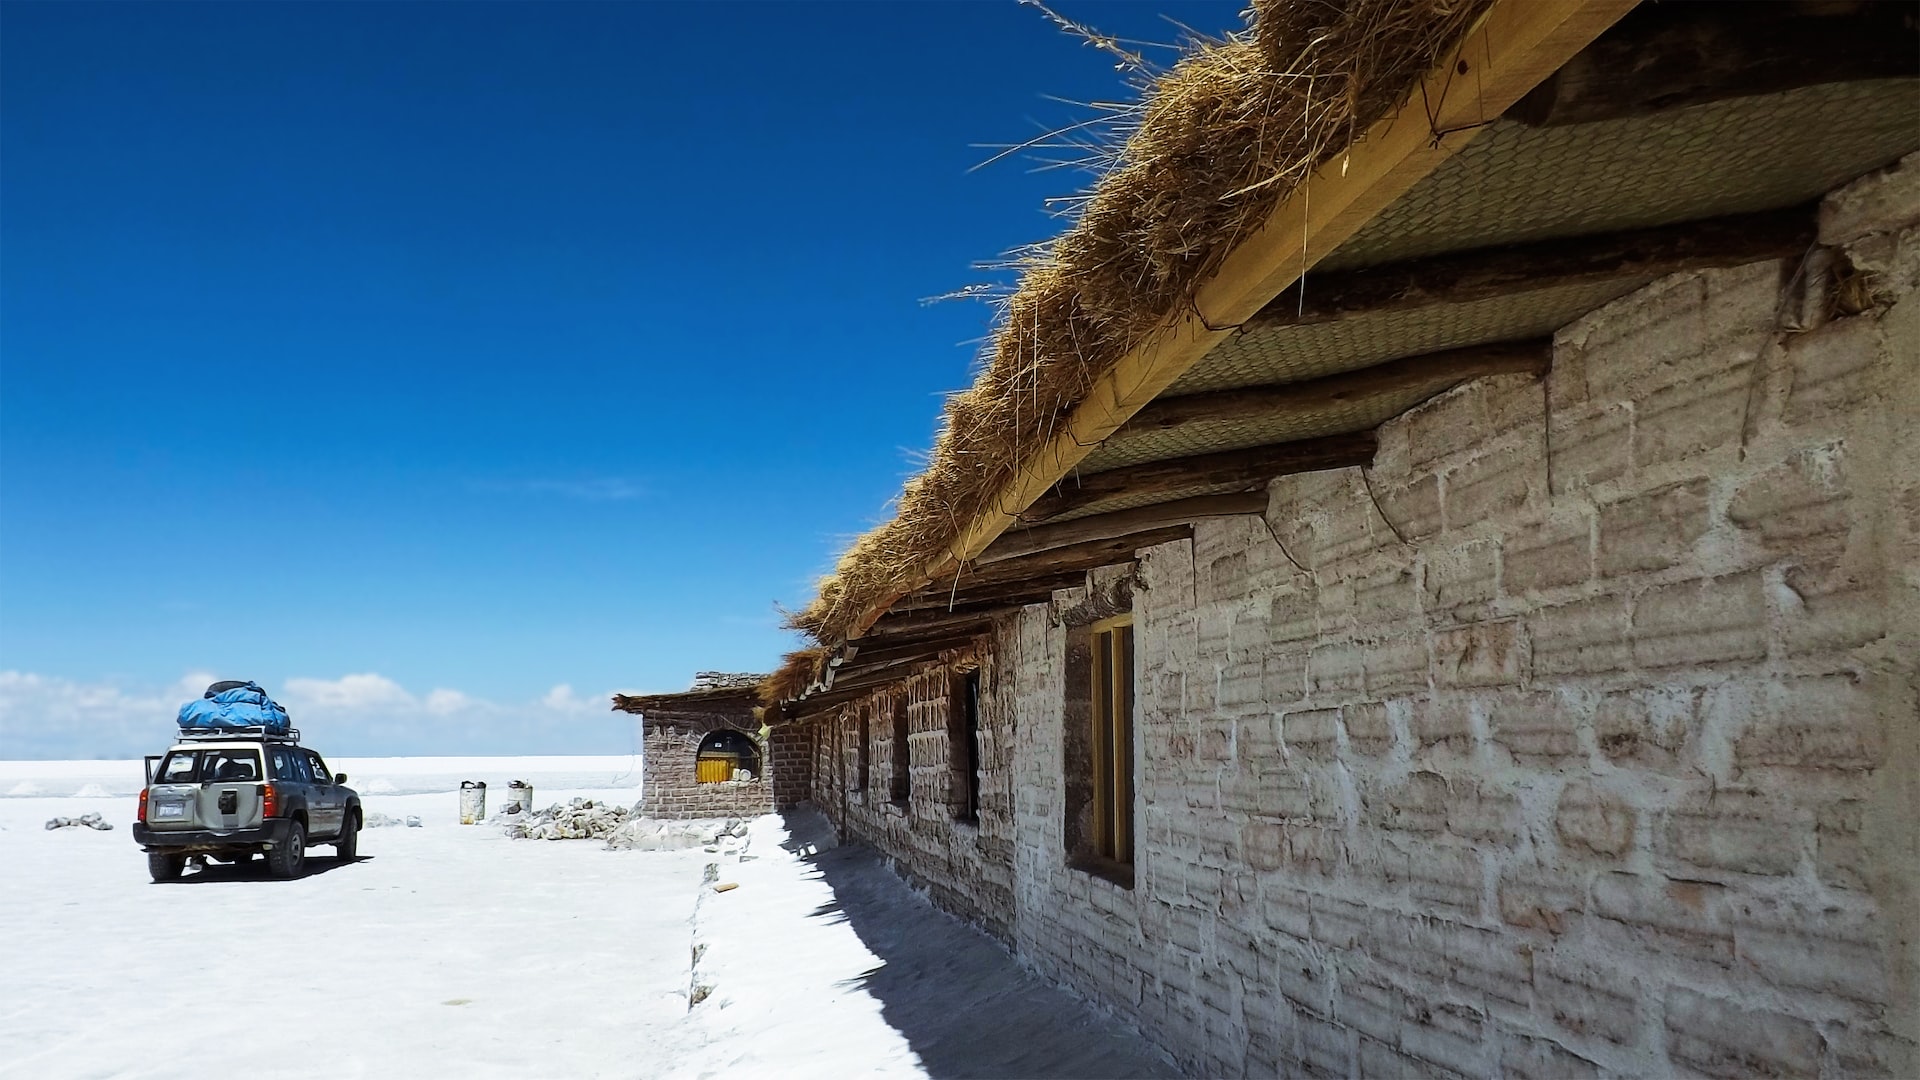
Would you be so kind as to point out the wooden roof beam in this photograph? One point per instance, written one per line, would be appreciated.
(1468, 276)
(1441, 370)
(1025, 590)
(1074, 558)
(1249, 467)
(1040, 538)
(899, 628)
(1674, 54)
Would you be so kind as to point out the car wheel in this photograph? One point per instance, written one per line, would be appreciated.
(287, 859)
(165, 867)
(348, 848)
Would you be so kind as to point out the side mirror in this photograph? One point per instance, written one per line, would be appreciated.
(339, 778)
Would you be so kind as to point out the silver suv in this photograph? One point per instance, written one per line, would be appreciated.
(230, 795)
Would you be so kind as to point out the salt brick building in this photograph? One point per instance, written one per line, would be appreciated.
(702, 753)
(1497, 654)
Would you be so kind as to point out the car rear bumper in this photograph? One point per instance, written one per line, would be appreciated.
(270, 832)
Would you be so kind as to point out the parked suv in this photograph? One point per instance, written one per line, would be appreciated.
(230, 795)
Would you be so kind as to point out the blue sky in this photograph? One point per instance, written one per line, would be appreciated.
(447, 366)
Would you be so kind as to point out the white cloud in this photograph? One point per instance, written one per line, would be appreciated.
(358, 714)
(42, 716)
(561, 699)
(349, 692)
(445, 702)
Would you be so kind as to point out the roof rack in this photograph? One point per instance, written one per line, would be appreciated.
(207, 734)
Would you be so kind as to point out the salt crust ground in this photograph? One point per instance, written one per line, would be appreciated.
(450, 951)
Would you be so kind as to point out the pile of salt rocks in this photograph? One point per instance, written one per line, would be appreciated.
(91, 821)
(382, 821)
(621, 827)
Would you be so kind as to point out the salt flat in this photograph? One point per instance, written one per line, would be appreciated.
(451, 951)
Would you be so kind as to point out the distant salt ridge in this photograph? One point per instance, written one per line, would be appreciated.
(369, 776)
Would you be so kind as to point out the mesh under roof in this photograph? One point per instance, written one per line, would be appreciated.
(1513, 183)
(1516, 184)
(1284, 354)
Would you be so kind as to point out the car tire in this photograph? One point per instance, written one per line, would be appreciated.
(348, 847)
(289, 857)
(164, 867)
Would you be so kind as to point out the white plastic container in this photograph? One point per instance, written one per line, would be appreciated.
(519, 794)
(473, 802)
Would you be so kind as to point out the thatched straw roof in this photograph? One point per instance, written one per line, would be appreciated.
(1214, 145)
(1523, 162)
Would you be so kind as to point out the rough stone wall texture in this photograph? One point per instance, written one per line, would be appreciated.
(1605, 762)
(669, 790)
(965, 866)
(790, 765)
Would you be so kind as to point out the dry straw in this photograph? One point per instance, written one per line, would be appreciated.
(1211, 148)
(801, 669)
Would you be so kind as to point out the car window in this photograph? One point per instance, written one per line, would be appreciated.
(320, 773)
(181, 767)
(232, 765)
(281, 763)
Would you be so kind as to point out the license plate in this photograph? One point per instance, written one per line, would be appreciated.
(171, 810)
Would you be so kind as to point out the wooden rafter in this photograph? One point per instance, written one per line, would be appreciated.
(1038, 538)
(1437, 371)
(922, 625)
(1024, 590)
(1516, 44)
(1670, 55)
(1252, 466)
(1076, 558)
(1467, 276)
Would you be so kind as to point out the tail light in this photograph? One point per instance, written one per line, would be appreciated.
(269, 801)
(142, 819)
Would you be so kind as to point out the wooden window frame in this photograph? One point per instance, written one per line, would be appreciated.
(1112, 741)
(900, 771)
(963, 744)
(863, 752)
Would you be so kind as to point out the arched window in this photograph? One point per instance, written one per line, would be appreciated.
(722, 754)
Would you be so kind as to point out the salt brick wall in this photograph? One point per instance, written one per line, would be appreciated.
(669, 790)
(1610, 767)
(965, 867)
(789, 765)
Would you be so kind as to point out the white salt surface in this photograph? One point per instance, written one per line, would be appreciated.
(451, 951)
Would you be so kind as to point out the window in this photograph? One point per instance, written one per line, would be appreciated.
(900, 785)
(1111, 740)
(723, 755)
(864, 751)
(963, 744)
(230, 765)
(181, 767)
(1097, 749)
(320, 773)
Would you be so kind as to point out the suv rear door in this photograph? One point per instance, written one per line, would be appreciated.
(211, 787)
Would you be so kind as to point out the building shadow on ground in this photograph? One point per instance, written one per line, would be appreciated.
(959, 997)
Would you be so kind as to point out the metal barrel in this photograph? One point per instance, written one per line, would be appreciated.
(473, 802)
(520, 794)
